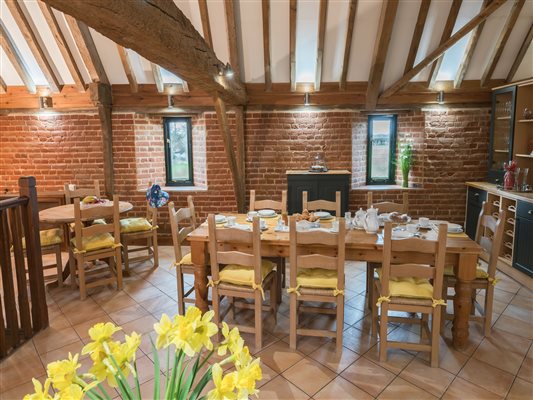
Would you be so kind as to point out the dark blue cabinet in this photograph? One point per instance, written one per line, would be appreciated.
(475, 199)
(523, 241)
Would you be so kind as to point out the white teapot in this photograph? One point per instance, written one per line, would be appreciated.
(371, 220)
(360, 218)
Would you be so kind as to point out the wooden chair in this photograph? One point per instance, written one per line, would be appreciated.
(277, 206)
(132, 230)
(95, 242)
(388, 206)
(489, 235)
(280, 206)
(51, 243)
(383, 207)
(245, 274)
(404, 285)
(326, 205)
(317, 275)
(72, 192)
(182, 222)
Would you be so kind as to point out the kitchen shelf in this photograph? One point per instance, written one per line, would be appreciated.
(525, 120)
(501, 151)
(524, 155)
(503, 118)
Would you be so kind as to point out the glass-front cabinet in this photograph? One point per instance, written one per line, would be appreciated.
(501, 131)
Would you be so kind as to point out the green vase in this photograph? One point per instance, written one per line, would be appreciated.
(405, 175)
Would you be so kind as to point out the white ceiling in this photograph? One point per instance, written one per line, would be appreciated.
(250, 41)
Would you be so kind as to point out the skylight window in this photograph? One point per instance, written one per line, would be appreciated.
(306, 40)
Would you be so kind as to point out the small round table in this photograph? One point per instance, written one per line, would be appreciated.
(65, 215)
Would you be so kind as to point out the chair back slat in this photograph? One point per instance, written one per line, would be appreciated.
(249, 247)
(432, 268)
(317, 261)
(489, 235)
(72, 192)
(311, 249)
(388, 206)
(95, 211)
(182, 222)
(326, 205)
(92, 213)
(269, 204)
(98, 229)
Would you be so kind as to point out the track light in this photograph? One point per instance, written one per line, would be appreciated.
(306, 99)
(45, 102)
(229, 71)
(440, 97)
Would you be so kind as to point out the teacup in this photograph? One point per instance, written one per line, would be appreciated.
(412, 228)
(423, 222)
(252, 215)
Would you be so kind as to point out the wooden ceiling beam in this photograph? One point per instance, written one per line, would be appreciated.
(206, 26)
(417, 34)
(322, 17)
(234, 60)
(128, 69)
(3, 86)
(521, 53)
(469, 51)
(348, 44)
(482, 16)
(175, 45)
(89, 54)
(266, 43)
(158, 78)
(292, 41)
(13, 54)
(381, 48)
(497, 50)
(62, 44)
(446, 33)
(35, 44)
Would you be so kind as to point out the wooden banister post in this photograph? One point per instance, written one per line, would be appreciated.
(30, 221)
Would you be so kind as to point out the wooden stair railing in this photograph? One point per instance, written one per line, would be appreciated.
(22, 314)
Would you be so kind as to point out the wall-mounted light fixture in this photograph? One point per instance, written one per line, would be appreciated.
(45, 102)
(229, 71)
(225, 70)
(306, 99)
(170, 101)
(440, 97)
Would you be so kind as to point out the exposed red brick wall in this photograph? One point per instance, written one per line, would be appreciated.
(450, 148)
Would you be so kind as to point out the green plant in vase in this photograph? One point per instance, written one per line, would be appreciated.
(186, 374)
(405, 161)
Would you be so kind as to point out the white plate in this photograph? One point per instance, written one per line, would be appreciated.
(220, 219)
(455, 228)
(401, 235)
(322, 214)
(266, 213)
(457, 231)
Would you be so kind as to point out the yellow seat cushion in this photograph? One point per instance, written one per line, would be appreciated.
(130, 225)
(417, 288)
(186, 260)
(319, 278)
(48, 237)
(96, 242)
(480, 272)
(244, 275)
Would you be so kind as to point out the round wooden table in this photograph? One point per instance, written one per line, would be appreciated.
(65, 214)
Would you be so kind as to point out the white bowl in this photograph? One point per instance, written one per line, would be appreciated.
(266, 213)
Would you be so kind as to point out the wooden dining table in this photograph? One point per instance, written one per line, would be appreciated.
(461, 252)
(64, 215)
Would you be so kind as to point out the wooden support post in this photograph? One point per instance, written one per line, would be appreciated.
(266, 44)
(241, 148)
(101, 96)
(225, 131)
(348, 44)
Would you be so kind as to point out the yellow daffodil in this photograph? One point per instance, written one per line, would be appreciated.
(224, 386)
(164, 330)
(62, 373)
(99, 333)
(243, 357)
(247, 376)
(232, 341)
(71, 392)
(41, 393)
(204, 329)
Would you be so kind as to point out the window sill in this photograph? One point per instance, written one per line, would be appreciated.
(385, 187)
(173, 189)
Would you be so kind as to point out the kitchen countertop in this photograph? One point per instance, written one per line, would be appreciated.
(330, 172)
(491, 187)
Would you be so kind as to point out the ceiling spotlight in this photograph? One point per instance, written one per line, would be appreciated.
(228, 70)
(45, 102)
(306, 99)
(440, 97)
(170, 101)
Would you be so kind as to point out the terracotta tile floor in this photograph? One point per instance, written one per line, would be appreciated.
(499, 367)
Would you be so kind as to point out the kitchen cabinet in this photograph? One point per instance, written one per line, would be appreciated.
(523, 243)
(475, 199)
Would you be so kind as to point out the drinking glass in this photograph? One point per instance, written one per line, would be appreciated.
(348, 219)
(525, 171)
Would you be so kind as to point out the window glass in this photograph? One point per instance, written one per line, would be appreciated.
(381, 149)
(178, 151)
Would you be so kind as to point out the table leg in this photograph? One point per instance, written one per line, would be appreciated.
(199, 257)
(462, 302)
